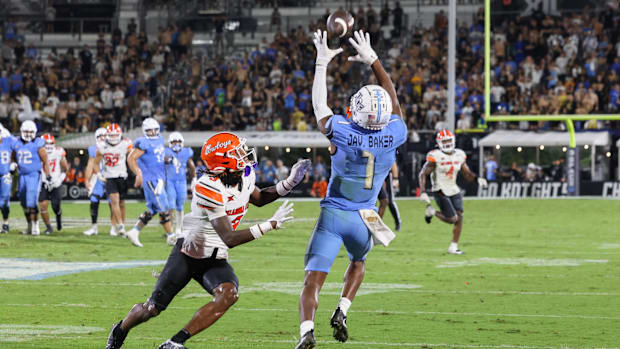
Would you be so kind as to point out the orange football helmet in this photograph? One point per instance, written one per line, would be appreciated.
(50, 142)
(113, 134)
(446, 141)
(226, 151)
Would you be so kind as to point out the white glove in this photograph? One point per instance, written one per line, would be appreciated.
(298, 171)
(282, 215)
(171, 239)
(482, 182)
(365, 53)
(7, 178)
(425, 199)
(58, 182)
(13, 166)
(159, 188)
(396, 184)
(192, 184)
(323, 53)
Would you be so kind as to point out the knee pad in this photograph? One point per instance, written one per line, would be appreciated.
(164, 217)
(145, 217)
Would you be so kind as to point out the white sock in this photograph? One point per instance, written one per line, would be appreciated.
(95, 226)
(305, 326)
(344, 305)
(454, 246)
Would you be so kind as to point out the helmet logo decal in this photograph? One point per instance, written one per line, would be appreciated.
(209, 149)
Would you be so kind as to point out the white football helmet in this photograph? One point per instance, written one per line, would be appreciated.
(176, 137)
(4, 133)
(100, 134)
(150, 128)
(371, 107)
(28, 130)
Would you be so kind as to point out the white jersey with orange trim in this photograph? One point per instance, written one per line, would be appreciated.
(211, 199)
(447, 167)
(115, 158)
(54, 158)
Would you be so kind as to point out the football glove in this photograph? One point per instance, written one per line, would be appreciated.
(365, 53)
(425, 199)
(13, 166)
(283, 214)
(298, 172)
(323, 53)
(482, 182)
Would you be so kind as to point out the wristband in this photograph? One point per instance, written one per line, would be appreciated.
(259, 230)
(282, 189)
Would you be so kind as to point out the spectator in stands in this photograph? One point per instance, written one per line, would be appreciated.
(319, 188)
(281, 171)
(75, 175)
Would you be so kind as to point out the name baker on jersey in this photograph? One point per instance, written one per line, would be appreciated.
(374, 141)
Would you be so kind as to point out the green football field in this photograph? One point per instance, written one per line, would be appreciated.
(536, 274)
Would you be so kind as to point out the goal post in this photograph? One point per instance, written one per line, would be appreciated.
(572, 154)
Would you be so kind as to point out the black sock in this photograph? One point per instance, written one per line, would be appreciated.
(181, 337)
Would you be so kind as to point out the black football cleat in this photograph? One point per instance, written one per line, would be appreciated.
(48, 231)
(5, 229)
(116, 337)
(339, 324)
(397, 227)
(307, 341)
(428, 219)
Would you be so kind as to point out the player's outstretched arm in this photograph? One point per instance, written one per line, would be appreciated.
(233, 238)
(324, 55)
(132, 161)
(367, 55)
(261, 197)
(470, 176)
(427, 169)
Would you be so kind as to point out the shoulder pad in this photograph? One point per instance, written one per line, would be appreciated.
(209, 192)
(432, 156)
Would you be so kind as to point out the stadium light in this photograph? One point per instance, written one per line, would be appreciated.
(497, 147)
(608, 154)
(81, 151)
(564, 149)
(586, 147)
(288, 150)
(266, 147)
(308, 150)
(519, 149)
(542, 147)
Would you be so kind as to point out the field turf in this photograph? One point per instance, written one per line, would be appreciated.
(536, 274)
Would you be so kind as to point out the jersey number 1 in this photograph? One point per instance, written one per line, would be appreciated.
(370, 169)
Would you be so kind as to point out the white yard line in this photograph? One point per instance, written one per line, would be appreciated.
(351, 343)
(378, 311)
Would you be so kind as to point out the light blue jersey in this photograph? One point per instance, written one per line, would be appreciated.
(99, 190)
(362, 160)
(6, 148)
(151, 163)
(360, 164)
(177, 170)
(28, 160)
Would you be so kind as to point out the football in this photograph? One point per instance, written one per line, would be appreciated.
(339, 23)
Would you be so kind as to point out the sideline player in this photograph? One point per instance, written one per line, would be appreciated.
(57, 160)
(178, 160)
(387, 196)
(6, 167)
(146, 161)
(31, 158)
(96, 185)
(113, 152)
(363, 149)
(443, 165)
(220, 199)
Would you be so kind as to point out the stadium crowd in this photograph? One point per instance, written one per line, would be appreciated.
(551, 65)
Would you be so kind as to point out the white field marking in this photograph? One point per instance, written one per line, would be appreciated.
(609, 246)
(371, 311)
(33, 269)
(329, 288)
(21, 333)
(530, 262)
(413, 290)
(348, 344)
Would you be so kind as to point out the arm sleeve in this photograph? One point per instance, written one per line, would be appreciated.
(319, 93)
